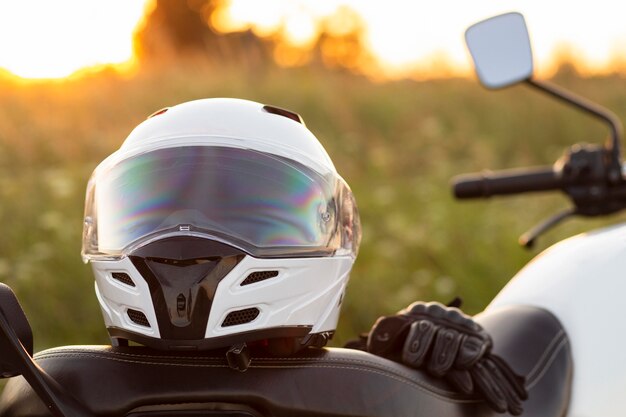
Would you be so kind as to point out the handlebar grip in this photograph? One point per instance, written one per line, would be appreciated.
(511, 181)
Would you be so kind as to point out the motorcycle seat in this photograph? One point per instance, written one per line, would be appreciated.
(140, 382)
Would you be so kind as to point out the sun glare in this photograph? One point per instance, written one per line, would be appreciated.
(421, 39)
(53, 39)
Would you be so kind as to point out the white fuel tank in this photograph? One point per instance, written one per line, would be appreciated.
(582, 280)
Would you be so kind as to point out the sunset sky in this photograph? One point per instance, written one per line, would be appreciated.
(44, 39)
(52, 39)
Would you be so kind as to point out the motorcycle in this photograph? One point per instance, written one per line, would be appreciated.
(556, 322)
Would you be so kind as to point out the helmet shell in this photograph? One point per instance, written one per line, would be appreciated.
(243, 123)
(145, 297)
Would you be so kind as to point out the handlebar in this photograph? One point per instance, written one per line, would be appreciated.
(585, 173)
(510, 181)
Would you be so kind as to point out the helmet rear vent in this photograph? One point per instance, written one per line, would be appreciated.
(238, 317)
(259, 276)
(138, 317)
(123, 277)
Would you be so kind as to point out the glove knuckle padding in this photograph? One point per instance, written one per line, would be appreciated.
(415, 308)
(444, 352)
(418, 341)
(470, 351)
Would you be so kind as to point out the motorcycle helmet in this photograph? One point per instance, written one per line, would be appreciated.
(217, 222)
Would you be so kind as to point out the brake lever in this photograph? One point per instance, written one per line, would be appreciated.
(528, 239)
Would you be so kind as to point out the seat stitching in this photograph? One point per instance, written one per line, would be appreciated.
(94, 353)
(58, 351)
(546, 352)
(391, 371)
(220, 359)
(54, 352)
(548, 364)
(386, 374)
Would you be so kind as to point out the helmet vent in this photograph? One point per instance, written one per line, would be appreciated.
(283, 112)
(158, 112)
(238, 317)
(123, 278)
(138, 317)
(259, 276)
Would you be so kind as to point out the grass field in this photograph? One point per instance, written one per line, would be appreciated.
(397, 144)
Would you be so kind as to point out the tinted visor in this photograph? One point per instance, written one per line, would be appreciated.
(262, 203)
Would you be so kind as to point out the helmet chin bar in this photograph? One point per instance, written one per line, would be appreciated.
(178, 277)
(183, 273)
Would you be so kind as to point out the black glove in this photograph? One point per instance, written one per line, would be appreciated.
(447, 343)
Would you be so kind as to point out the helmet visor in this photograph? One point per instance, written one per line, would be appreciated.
(264, 204)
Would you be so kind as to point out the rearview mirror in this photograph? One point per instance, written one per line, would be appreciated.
(500, 48)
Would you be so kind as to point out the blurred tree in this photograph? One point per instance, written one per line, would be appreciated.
(565, 59)
(174, 29)
(173, 24)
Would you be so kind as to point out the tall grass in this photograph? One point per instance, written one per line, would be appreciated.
(396, 143)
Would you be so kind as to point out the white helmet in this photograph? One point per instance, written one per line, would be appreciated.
(217, 222)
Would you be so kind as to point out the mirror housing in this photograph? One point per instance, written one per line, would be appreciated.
(500, 48)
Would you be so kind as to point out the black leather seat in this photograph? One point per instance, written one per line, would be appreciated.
(137, 382)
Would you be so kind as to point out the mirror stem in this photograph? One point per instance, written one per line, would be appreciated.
(58, 402)
(596, 110)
